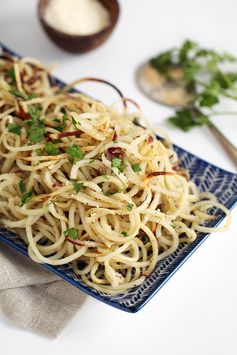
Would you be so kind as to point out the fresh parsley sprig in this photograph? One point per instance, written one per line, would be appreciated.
(202, 75)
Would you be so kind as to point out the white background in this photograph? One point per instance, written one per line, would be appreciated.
(196, 311)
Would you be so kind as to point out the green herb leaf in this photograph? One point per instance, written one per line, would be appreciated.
(62, 110)
(35, 112)
(22, 186)
(75, 123)
(11, 75)
(71, 233)
(190, 70)
(117, 163)
(36, 131)
(39, 152)
(56, 120)
(136, 168)
(224, 80)
(75, 152)
(203, 77)
(77, 186)
(18, 93)
(32, 96)
(162, 62)
(14, 128)
(208, 100)
(130, 206)
(51, 148)
(145, 239)
(63, 125)
(188, 118)
(26, 197)
(125, 234)
(185, 49)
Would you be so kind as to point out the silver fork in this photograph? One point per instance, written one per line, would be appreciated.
(229, 148)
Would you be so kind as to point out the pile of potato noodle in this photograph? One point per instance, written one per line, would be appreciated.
(80, 183)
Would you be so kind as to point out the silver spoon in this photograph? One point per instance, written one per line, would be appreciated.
(174, 94)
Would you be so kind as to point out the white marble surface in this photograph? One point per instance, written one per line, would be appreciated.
(195, 312)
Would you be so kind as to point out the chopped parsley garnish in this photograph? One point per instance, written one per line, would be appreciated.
(125, 234)
(22, 186)
(36, 131)
(19, 93)
(14, 128)
(136, 168)
(117, 163)
(75, 123)
(51, 148)
(56, 120)
(145, 239)
(11, 75)
(71, 233)
(39, 152)
(32, 96)
(92, 161)
(26, 196)
(77, 186)
(130, 206)
(75, 153)
(62, 126)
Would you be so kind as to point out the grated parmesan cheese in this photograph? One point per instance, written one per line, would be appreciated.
(77, 17)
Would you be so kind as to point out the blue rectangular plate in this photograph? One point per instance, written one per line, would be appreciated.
(207, 177)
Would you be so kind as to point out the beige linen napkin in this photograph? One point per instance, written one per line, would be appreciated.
(35, 298)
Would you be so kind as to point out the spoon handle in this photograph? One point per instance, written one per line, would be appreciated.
(226, 144)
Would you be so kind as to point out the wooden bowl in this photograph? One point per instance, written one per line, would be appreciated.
(80, 43)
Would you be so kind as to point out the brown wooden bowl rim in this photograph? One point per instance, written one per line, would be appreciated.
(91, 36)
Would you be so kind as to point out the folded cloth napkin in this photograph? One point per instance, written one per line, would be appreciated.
(33, 297)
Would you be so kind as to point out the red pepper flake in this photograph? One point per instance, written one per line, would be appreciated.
(6, 56)
(159, 173)
(150, 139)
(115, 152)
(22, 75)
(44, 197)
(22, 114)
(18, 171)
(72, 133)
(115, 136)
(32, 80)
